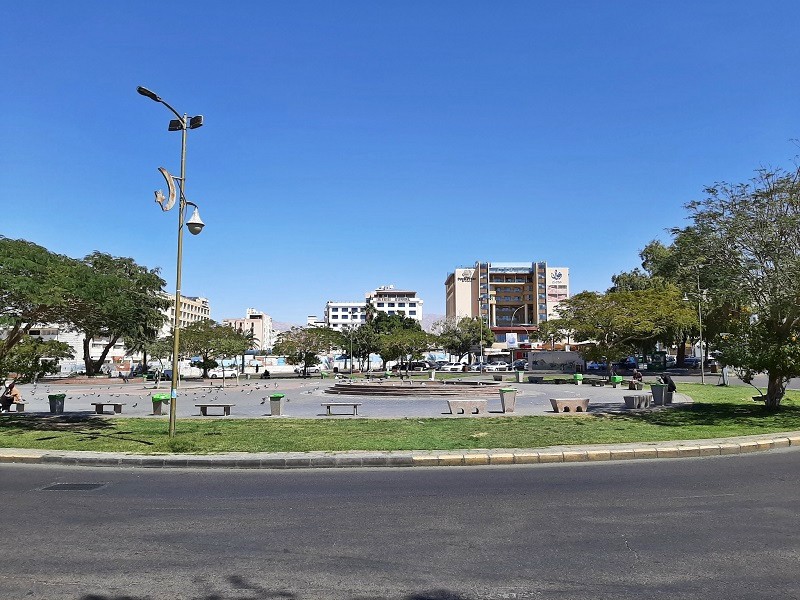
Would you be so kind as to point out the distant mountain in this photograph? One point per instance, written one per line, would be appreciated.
(285, 325)
(429, 320)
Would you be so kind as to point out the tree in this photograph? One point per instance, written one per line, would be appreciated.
(620, 323)
(301, 346)
(32, 358)
(116, 298)
(400, 343)
(362, 339)
(211, 341)
(36, 286)
(459, 336)
(749, 235)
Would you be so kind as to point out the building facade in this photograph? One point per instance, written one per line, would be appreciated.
(387, 299)
(506, 294)
(192, 309)
(259, 324)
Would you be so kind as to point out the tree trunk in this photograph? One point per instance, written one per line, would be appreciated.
(776, 387)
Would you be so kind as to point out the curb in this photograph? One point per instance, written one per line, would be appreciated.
(449, 458)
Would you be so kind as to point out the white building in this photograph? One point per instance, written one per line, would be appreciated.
(193, 309)
(386, 299)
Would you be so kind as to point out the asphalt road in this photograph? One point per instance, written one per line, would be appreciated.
(723, 527)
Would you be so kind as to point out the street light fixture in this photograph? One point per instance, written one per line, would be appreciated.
(195, 225)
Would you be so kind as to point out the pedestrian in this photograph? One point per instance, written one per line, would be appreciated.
(667, 380)
(637, 375)
(10, 396)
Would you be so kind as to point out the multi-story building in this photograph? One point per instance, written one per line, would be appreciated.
(257, 323)
(384, 299)
(506, 294)
(193, 309)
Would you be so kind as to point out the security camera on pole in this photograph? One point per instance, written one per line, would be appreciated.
(195, 225)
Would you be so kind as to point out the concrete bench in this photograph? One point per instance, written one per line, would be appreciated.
(226, 408)
(466, 407)
(328, 405)
(99, 406)
(536, 378)
(638, 401)
(20, 406)
(573, 405)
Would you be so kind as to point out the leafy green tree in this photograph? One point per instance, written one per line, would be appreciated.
(32, 358)
(365, 341)
(400, 343)
(116, 298)
(36, 286)
(749, 236)
(302, 345)
(620, 323)
(459, 336)
(211, 342)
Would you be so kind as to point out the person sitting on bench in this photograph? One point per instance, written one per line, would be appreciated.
(10, 396)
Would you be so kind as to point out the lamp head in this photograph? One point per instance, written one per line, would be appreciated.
(195, 223)
(145, 92)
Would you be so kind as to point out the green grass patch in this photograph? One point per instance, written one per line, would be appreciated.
(717, 412)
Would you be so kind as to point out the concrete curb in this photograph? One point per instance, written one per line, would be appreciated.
(449, 458)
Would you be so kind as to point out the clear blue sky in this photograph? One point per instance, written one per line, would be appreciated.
(354, 144)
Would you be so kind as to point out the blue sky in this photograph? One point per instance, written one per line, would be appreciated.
(349, 145)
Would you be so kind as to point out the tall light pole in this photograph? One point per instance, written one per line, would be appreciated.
(183, 123)
(700, 297)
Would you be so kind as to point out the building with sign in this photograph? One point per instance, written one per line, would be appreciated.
(506, 293)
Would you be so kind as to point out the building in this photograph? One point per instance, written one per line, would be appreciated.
(257, 323)
(193, 309)
(339, 315)
(506, 294)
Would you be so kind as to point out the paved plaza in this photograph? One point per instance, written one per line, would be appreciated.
(303, 398)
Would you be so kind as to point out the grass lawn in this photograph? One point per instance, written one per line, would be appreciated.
(717, 412)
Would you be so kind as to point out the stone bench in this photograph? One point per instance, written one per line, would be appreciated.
(328, 405)
(226, 408)
(20, 406)
(99, 406)
(466, 407)
(638, 401)
(536, 378)
(635, 385)
(565, 405)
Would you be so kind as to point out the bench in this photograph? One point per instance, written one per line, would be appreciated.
(573, 405)
(20, 406)
(536, 378)
(635, 385)
(638, 401)
(466, 407)
(226, 408)
(99, 406)
(328, 405)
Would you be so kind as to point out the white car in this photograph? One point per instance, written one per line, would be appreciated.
(309, 369)
(453, 366)
(219, 373)
(497, 366)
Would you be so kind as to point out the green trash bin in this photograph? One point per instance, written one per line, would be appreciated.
(158, 402)
(56, 402)
(578, 377)
(276, 404)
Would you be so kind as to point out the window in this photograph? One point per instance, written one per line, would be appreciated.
(391, 312)
(380, 304)
(401, 304)
(344, 316)
(390, 305)
(334, 309)
(412, 304)
(412, 312)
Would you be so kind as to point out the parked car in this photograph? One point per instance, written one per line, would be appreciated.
(596, 366)
(499, 365)
(154, 374)
(628, 363)
(453, 366)
(671, 361)
(691, 362)
(476, 366)
(308, 369)
(520, 365)
(218, 372)
(421, 365)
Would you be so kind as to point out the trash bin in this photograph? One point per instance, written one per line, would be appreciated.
(578, 379)
(519, 376)
(56, 402)
(158, 402)
(276, 405)
(659, 391)
(508, 399)
(616, 379)
(323, 374)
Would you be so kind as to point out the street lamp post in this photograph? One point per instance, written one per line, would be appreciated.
(183, 123)
(700, 297)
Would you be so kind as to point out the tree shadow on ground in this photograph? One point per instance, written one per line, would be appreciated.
(735, 415)
(86, 427)
(248, 590)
